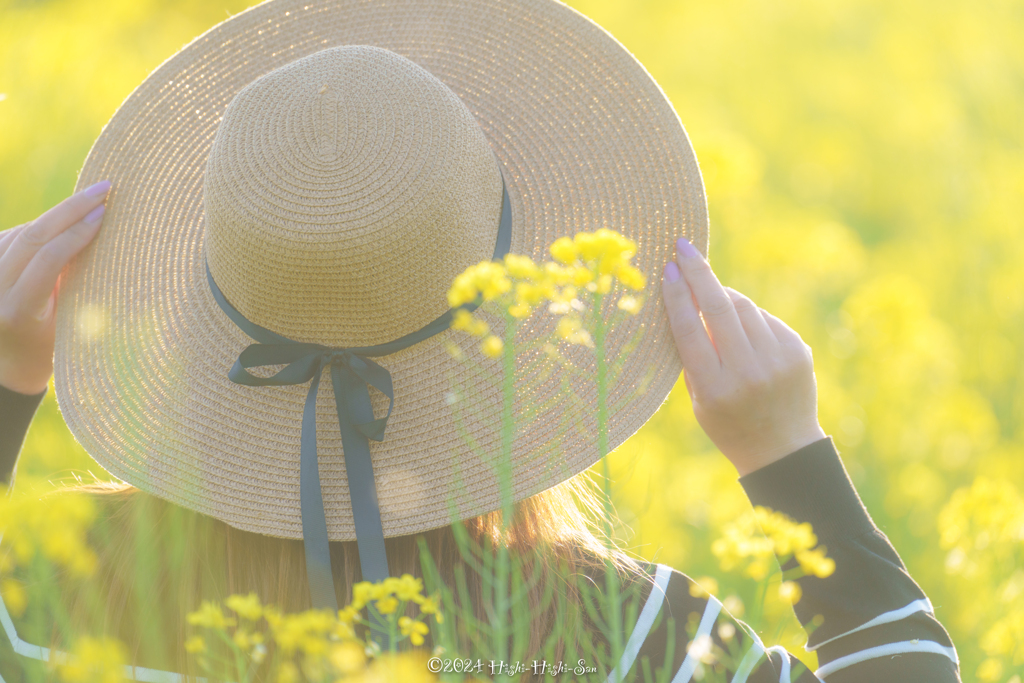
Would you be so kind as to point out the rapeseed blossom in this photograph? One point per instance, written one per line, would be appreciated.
(757, 538)
(52, 526)
(95, 660)
(317, 644)
(519, 286)
(982, 530)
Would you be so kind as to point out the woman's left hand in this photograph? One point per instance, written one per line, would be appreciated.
(750, 376)
(32, 257)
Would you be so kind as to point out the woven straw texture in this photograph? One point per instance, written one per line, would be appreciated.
(345, 190)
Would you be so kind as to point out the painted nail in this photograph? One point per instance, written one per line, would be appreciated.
(96, 214)
(688, 249)
(97, 189)
(671, 271)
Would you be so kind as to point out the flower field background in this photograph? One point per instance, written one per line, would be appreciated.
(864, 166)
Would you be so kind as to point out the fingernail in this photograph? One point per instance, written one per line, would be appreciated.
(671, 271)
(689, 251)
(97, 189)
(96, 214)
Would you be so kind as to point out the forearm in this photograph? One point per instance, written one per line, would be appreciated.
(16, 413)
(872, 608)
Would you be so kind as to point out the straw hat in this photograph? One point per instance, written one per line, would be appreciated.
(335, 164)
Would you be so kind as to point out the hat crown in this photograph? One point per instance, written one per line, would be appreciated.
(343, 193)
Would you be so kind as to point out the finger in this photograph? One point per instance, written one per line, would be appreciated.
(754, 324)
(32, 292)
(7, 236)
(786, 335)
(35, 234)
(715, 305)
(692, 341)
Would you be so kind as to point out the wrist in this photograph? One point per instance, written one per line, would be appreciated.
(746, 463)
(25, 378)
(29, 386)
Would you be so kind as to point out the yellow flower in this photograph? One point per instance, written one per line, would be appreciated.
(479, 328)
(307, 630)
(462, 320)
(389, 586)
(519, 310)
(741, 542)
(407, 667)
(581, 337)
(581, 275)
(569, 329)
(790, 592)
(815, 562)
(387, 605)
(209, 615)
(409, 588)
(567, 326)
(564, 295)
(287, 673)
(990, 670)
(563, 250)
(14, 596)
(54, 526)
(245, 640)
(602, 286)
(344, 631)
(428, 606)
(348, 614)
(362, 593)
(462, 290)
(414, 629)
(703, 587)
(348, 658)
(586, 246)
(629, 304)
(466, 321)
(96, 660)
(521, 266)
(195, 644)
(490, 279)
(631, 277)
(247, 607)
(529, 293)
(555, 274)
(492, 347)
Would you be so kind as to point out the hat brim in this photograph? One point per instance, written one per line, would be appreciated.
(586, 139)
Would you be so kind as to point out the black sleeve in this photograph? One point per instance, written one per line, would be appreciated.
(16, 413)
(876, 624)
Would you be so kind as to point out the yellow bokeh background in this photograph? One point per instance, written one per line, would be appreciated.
(864, 166)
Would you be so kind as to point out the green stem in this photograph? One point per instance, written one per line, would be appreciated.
(500, 625)
(611, 575)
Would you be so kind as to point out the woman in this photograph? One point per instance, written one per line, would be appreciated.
(751, 381)
(299, 151)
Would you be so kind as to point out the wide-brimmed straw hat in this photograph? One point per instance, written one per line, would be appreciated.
(324, 169)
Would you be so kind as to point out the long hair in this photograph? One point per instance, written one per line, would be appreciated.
(158, 561)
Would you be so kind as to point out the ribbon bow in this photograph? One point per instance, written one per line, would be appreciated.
(352, 375)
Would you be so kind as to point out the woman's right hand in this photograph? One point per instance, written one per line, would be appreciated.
(32, 257)
(750, 376)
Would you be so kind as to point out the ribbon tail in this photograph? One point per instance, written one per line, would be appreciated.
(362, 487)
(314, 521)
